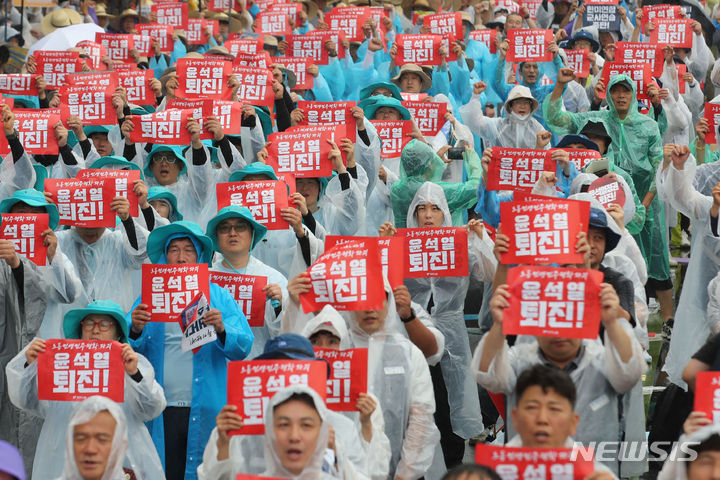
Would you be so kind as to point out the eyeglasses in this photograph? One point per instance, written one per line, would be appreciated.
(164, 157)
(238, 227)
(89, 324)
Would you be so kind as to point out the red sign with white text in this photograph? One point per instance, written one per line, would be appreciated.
(83, 203)
(707, 395)
(346, 277)
(96, 52)
(100, 79)
(529, 45)
(161, 33)
(677, 33)
(137, 86)
(579, 61)
(330, 113)
(247, 290)
(335, 36)
(223, 5)
(117, 45)
(293, 10)
(517, 168)
(252, 60)
(18, 84)
(273, 23)
(168, 127)
(227, 112)
(543, 232)
(24, 230)
(394, 135)
(201, 78)
(36, 129)
(251, 384)
(92, 104)
(73, 370)
(582, 157)
(349, 22)
(640, 73)
(607, 190)
(246, 45)
(418, 49)
(197, 30)
(553, 302)
(348, 377)
(264, 198)
(168, 289)
(435, 252)
(54, 65)
(641, 52)
(299, 67)
(652, 13)
(174, 14)
(712, 115)
(388, 247)
(255, 86)
(486, 36)
(514, 463)
(124, 182)
(304, 46)
(304, 154)
(449, 25)
(429, 116)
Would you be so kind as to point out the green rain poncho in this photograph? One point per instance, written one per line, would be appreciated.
(419, 164)
(636, 148)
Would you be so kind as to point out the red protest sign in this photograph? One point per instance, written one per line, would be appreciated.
(246, 45)
(429, 116)
(448, 25)
(293, 10)
(582, 157)
(304, 154)
(168, 289)
(100, 79)
(253, 60)
(413, 97)
(18, 84)
(607, 190)
(640, 73)
(174, 14)
(251, 384)
(54, 65)
(137, 86)
(168, 127)
(346, 278)
(116, 45)
(227, 112)
(675, 32)
(653, 13)
(330, 113)
(92, 104)
(579, 61)
(348, 377)
(543, 232)
(394, 135)
(435, 252)
(197, 30)
(336, 36)
(36, 129)
(641, 52)
(24, 230)
(540, 463)
(255, 86)
(418, 49)
(273, 23)
(222, 5)
(82, 203)
(487, 37)
(124, 183)
(73, 370)
(161, 33)
(305, 46)
(707, 395)
(712, 116)
(264, 198)
(95, 51)
(517, 168)
(247, 290)
(388, 247)
(144, 45)
(299, 67)
(681, 71)
(9, 101)
(529, 45)
(202, 78)
(553, 302)
(349, 22)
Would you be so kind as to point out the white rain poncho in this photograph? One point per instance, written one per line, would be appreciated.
(448, 296)
(676, 466)
(144, 400)
(65, 288)
(83, 413)
(510, 130)
(342, 212)
(279, 249)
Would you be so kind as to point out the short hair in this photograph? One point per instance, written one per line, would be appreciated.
(546, 378)
(712, 443)
(471, 472)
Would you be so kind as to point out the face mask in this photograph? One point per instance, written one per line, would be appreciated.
(520, 118)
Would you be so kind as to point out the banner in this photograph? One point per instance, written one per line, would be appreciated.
(264, 198)
(579, 61)
(273, 23)
(543, 232)
(418, 49)
(255, 86)
(346, 277)
(394, 135)
(641, 52)
(167, 127)
(36, 130)
(195, 332)
(168, 289)
(428, 116)
(303, 154)
(201, 78)
(486, 36)
(529, 45)
(304, 46)
(91, 103)
(641, 73)
(682, 84)
(677, 33)
(247, 290)
(83, 203)
(517, 168)
(707, 395)
(387, 247)
(607, 190)
(18, 84)
(246, 45)
(197, 29)
(330, 113)
(137, 86)
(514, 463)
(603, 15)
(123, 180)
(73, 370)
(652, 13)
(174, 14)
(712, 115)
(582, 157)
(96, 52)
(299, 67)
(24, 231)
(251, 384)
(435, 252)
(54, 65)
(348, 377)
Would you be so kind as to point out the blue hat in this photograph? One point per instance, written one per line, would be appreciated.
(72, 319)
(233, 211)
(160, 237)
(290, 346)
(599, 219)
(174, 149)
(90, 129)
(117, 160)
(373, 103)
(41, 174)
(367, 91)
(584, 35)
(12, 462)
(162, 193)
(254, 168)
(34, 198)
(578, 138)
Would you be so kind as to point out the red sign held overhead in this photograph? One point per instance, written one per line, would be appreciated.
(273, 23)
(429, 116)
(36, 130)
(330, 113)
(641, 52)
(92, 104)
(653, 13)
(304, 153)
(201, 78)
(18, 84)
(487, 37)
(168, 289)
(348, 377)
(435, 252)
(96, 52)
(677, 33)
(124, 181)
(394, 135)
(174, 14)
(517, 168)
(253, 60)
(246, 45)
(197, 30)
(265, 199)
(529, 45)
(54, 65)
(388, 247)
(137, 86)
(247, 290)
(640, 73)
(580, 158)
(299, 67)
(117, 45)
(535, 463)
(712, 116)
(293, 10)
(448, 25)
(168, 127)
(83, 203)
(100, 79)
(25, 231)
(73, 370)
(607, 190)
(707, 395)
(579, 61)
(305, 46)
(349, 22)
(543, 232)
(418, 49)
(161, 33)
(255, 86)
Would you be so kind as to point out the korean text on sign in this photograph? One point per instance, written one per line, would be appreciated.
(435, 252)
(161, 33)
(603, 15)
(346, 277)
(73, 370)
(251, 384)
(247, 290)
(418, 49)
(302, 154)
(95, 51)
(54, 65)
(36, 130)
(255, 86)
(707, 395)
(607, 190)
(388, 247)
(201, 78)
(264, 198)
(641, 52)
(580, 158)
(529, 45)
(196, 332)
(175, 14)
(394, 135)
(83, 203)
(168, 127)
(673, 32)
(92, 104)
(429, 116)
(137, 86)
(520, 463)
(18, 84)
(330, 113)
(122, 180)
(553, 302)
(712, 115)
(487, 37)
(304, 46)
(299, 67)
(640, 73)
(579, 61)
(24, 230)
(517, 168)
(348, 377)
(543, 232)
(273, 23)
(168, 289)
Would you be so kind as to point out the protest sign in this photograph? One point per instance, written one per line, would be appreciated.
(271, 22)
(607, 190)
(167, 127)
(245, 45)
(579, 61)
(677, 33)
(25, 230)
(349, 20)
(304, 154)
(123, 181)
(445, 24)
(486, 36)
(247, 290)
(264, 198)
(348, 377)
(529, 45)
(96, 52)
(255, 86)
(54, 65)
(91, 103)
(330, 113)
(653, 13)
(435, 252)
(580, 158)
(306, 46)
(197, 30)
(418, 49)
(137, 86)
(517, 168)
(394, 135)
(514, 463)
(707, 395)
(196, 332)
(202, 78)
(640, 73)
(174, 14)
(712, 116)
(83, 203)
(429, 116)
(162, 34)
(641, 52)
(603, 15)
(18, 84)
(168, 289)
(388, 247)
(298, 66)
(36, 130)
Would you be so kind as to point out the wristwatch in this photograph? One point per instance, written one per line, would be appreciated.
(410, 318)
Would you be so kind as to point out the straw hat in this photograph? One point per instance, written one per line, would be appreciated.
(58, 18)
(118, 21)
(101, 11)
(412, 68)
(312, 8)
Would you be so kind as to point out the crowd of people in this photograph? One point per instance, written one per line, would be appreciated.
(433, 391)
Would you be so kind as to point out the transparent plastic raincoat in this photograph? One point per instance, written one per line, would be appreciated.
(676, 466)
